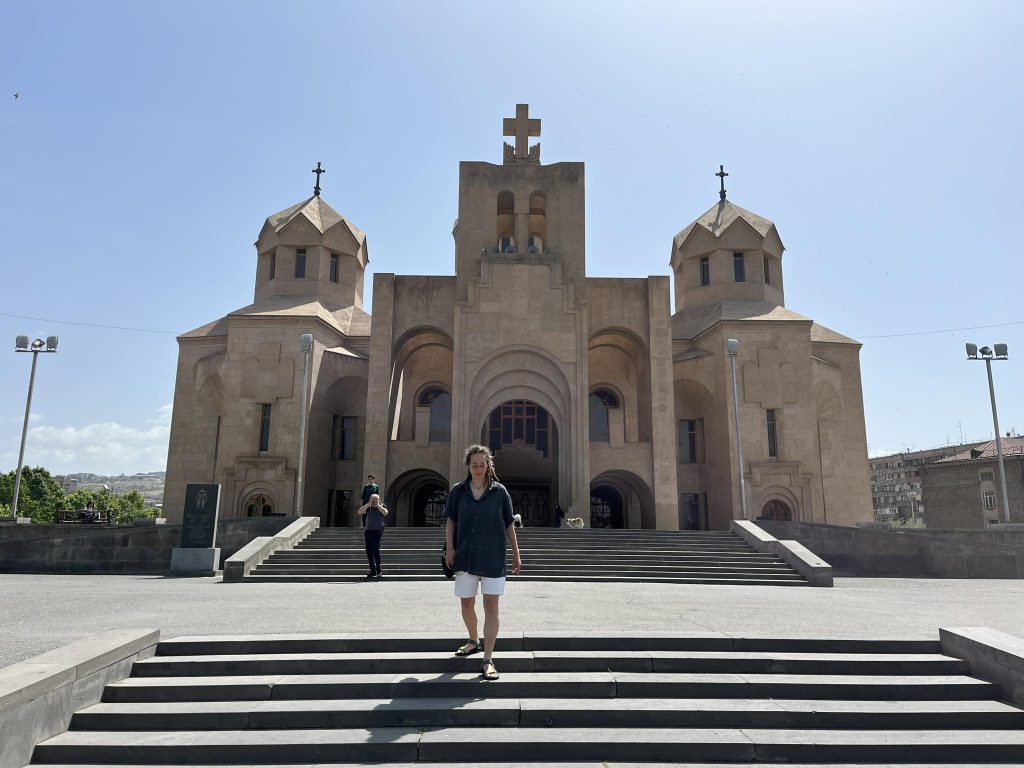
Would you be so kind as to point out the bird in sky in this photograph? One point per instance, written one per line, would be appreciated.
(16, 95)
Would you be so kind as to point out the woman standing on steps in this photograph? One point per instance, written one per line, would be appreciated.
(481, 509)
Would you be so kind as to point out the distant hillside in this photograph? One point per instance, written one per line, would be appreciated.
(149, 484)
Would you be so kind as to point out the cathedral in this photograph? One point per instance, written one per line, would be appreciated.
(591, 392)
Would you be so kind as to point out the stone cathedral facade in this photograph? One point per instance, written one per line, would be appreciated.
(592, 393)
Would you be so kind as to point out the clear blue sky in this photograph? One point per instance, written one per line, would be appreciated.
(150, 141)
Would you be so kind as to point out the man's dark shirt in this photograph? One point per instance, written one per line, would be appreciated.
(481, 536)
(368, 490)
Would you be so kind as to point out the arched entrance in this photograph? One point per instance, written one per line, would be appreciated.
(606, 508)
(776, 510)
(428, 506)
(523, 437)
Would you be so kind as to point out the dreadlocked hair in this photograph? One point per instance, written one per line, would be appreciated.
(475, 449)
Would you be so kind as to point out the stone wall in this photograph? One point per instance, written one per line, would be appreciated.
(909, 553)
(114, 548)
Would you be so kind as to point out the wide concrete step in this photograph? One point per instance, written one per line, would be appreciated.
(535, 555)
(556, 713)
(257, 576)
(553, 568)
(568, 764)
(552, 661)
(596, 685)
(362, 642)
(571, 764)
(527, 743)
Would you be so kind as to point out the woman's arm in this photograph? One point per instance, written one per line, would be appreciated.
(449, 541)
(517, 561)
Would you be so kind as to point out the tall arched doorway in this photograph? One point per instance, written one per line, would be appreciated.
(524, 439)
(428, 506)
(606, 508)
(776, 510)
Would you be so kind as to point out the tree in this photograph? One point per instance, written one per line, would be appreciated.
(128, 506)
(39, 496)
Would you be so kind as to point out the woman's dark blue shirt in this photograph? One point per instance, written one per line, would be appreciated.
(482, 525)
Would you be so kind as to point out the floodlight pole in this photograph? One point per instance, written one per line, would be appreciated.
(37, 346)
(999, 442)
(24, 433)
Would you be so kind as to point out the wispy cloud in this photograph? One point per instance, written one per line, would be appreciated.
(104, 448)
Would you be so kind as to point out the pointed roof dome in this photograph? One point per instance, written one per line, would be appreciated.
(720, 217)
(318, 213)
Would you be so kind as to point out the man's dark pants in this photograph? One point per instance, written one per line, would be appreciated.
(373, 549)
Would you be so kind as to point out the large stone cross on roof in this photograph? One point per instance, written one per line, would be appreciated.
(522, 126)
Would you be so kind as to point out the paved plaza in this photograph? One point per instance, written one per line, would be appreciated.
(41, 612)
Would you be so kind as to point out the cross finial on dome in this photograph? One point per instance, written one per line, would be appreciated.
(318, 170)
(721, 175)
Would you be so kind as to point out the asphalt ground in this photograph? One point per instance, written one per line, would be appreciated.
(42, 612)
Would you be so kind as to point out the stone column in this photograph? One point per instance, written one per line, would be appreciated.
(663, 416)
(522, 224)
(378, 390)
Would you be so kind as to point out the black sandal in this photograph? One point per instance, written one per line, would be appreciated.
(489, 671)
(468, 649)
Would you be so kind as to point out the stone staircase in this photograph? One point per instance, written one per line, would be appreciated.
(562, 698)
(549, 554)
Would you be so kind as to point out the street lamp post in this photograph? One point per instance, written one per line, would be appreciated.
(21, 344)
(306, 345)
(988, 355)
(732, 347)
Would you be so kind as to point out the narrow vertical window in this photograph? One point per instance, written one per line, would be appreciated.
(600, 402)
(335, 437)
(348, 438)
(705, 271)
(773, 443)
(688, 441)
(737, 268)
(334, 267)
(273, 265)
(265, 428)
(300, 262)
(767, 272)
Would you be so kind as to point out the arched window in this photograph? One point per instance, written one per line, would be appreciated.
(259, 506)
(506, 222)
(600, 401)
(538, 222)
(440, 404)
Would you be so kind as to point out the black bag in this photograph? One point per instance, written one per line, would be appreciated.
(449, 572)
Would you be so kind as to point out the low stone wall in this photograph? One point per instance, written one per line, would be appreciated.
(105, 549)
(38, 696)
(920, 553)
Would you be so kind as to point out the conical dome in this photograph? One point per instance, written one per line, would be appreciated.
(720, 219)
(318, 213)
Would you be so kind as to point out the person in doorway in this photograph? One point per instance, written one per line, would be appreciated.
(369, 489)
(559, 514)
(374, 512)
(479, 510)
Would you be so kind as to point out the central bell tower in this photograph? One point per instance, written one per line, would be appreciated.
(521, 325)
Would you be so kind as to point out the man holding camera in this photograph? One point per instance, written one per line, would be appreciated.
(375, 512)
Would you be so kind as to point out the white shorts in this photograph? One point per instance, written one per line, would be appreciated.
(466, 584)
